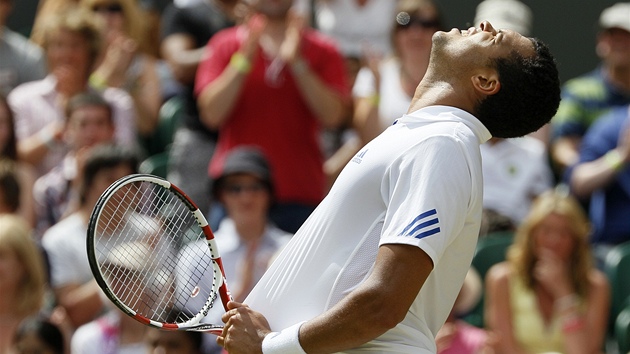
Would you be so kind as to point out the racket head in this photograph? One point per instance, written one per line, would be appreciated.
(153, 254)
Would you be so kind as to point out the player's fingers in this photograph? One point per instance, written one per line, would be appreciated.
(221, 340)
(226, 317)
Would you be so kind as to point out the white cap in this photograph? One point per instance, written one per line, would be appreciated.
(616, 16)
(505, 14)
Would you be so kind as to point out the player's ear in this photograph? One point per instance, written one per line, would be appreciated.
(486, 82)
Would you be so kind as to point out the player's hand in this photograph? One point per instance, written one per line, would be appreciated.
(244, 329)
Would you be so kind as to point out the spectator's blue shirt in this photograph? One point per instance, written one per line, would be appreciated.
(610, 206)
(584, 100)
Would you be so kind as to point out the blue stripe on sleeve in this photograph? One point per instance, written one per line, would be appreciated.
(418, 218)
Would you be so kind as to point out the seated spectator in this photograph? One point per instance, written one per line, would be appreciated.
(126, 62)
(14, 168)
(72, 43)
(71, 279)
(185, 33)
(20, 60)
(113, 332)
(173, 342)
(515, 171)
(246, 237)
(89, 123)
(22, 277)
(589, 96)
(274, 75)
(37, 335)
(547, 296)
(602, 176)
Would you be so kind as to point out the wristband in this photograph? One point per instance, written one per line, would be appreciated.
(98, 82)
(299, 66)
(613, 159)
(240, 63)
(286, 341)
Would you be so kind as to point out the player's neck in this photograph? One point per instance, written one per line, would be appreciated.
(432, 92)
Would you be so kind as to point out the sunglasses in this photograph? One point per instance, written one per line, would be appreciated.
(108, 8)
(406, 21)
(236, 189)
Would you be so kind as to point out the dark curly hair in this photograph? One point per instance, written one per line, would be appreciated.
(529, 94)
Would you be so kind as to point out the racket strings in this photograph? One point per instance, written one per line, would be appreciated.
(140, 253)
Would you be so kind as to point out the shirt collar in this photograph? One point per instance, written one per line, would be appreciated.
(453, 114)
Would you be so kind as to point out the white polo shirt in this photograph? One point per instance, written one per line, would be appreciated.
(419, 183)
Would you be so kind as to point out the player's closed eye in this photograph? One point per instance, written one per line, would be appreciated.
(240, 188)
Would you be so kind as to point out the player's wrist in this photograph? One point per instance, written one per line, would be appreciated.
(286, 341)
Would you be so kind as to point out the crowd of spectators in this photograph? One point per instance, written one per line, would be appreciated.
(274, 98)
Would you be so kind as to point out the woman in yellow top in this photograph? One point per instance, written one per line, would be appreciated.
(548, 297)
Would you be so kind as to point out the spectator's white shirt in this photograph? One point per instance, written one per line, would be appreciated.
(515, 171)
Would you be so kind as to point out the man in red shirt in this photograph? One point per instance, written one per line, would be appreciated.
(274, 84)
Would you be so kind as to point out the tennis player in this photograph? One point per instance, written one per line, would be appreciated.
(377, 266)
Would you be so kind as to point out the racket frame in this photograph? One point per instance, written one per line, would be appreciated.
(219, 282)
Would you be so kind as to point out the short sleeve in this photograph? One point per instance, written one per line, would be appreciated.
(429, 194)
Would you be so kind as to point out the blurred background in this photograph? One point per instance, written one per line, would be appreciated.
(568, 26)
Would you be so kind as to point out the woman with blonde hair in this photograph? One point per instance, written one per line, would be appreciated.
(548, 297)
(22, 276)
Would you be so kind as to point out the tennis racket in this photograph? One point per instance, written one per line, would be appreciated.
(154, 256)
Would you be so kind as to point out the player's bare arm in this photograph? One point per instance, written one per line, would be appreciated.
(376, 306)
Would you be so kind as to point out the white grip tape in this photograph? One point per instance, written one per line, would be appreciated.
(286, 341)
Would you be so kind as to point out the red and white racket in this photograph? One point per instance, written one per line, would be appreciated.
(142, 232)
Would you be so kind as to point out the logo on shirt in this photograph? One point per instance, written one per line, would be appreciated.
(425, 224)
(358, 158)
